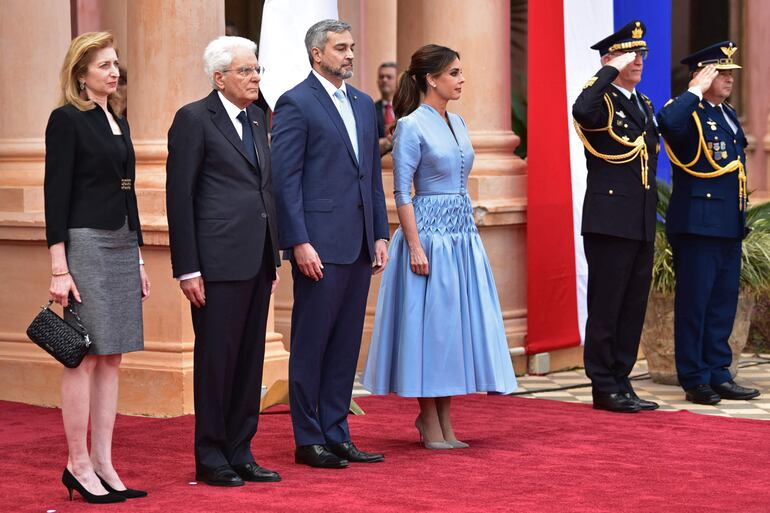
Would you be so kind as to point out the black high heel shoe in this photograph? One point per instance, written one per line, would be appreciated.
(128, 493)
(71, 483)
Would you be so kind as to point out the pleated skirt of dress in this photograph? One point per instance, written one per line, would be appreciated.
(441, 334)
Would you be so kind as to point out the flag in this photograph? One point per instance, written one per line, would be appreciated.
(560, 62)
(282, 49)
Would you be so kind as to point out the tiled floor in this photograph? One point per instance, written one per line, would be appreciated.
(755, 372)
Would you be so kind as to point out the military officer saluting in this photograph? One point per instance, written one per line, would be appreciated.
(617, 127)
(705, 223)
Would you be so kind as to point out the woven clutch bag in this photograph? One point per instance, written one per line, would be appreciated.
(67, 343)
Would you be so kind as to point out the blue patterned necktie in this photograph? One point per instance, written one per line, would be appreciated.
(347, 117)
(247, 137)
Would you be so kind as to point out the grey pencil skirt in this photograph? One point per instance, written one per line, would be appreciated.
(105, 267)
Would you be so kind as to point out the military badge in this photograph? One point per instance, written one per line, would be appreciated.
(590, 82)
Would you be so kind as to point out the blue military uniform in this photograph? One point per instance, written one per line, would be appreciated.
(705, 224)
(617, 128)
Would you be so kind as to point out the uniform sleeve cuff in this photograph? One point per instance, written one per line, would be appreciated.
(696, 91)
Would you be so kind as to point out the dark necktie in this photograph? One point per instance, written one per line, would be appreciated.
(639, 108)
(248, 138)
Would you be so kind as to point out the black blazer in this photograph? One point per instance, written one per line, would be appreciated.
(82, 176)
(616, 201)
(220, 206)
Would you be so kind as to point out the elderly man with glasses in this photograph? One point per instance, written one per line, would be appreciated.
(224, 242)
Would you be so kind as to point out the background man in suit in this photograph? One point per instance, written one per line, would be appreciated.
(222, 229)
(616, 125)
(334, 223)
(386, 83)
(705, 223)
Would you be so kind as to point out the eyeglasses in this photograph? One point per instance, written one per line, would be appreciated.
(247, 71)
(639, 53)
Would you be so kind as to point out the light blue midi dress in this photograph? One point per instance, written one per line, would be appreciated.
(441, 334)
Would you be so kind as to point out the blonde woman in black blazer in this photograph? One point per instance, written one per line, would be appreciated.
(93, 234)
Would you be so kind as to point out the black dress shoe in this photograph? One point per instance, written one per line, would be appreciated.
(255, 473)
(348, 451)
(615, 402)
(732, 390)
(318, 456)
(220, 476)
(643, 403)
(702, 394)
(128, 493)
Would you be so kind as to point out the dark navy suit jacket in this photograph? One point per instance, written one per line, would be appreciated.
(220, 207)
(616, 202)
(703, 206)
(323, 195)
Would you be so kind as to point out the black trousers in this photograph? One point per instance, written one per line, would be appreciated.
(229, 355)
(619, 276)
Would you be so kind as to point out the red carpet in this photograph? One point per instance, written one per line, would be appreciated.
(527, 456)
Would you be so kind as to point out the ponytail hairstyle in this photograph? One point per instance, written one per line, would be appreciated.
(428, 60)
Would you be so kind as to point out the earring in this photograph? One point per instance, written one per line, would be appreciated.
(82, 85)
(433, 85)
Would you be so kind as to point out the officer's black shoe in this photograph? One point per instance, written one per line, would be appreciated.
(643, 403)
(731, 390)
(702, 394)
(618, 403)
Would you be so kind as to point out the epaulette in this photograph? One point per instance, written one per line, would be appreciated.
(669, 102)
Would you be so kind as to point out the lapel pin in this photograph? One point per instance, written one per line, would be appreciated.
(355, 97)
(256, 123)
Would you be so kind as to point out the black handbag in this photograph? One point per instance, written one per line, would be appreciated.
(67, 343)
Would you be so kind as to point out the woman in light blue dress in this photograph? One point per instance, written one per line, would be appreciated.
(438, 329)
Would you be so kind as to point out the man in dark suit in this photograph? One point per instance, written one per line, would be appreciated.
(616, 125)
(334, 225)
(705, 223)
(223, 237)
(386, 83)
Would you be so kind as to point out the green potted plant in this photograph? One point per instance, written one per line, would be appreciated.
(658, 334)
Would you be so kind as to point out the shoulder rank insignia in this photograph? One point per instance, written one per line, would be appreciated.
(669, 102)
(590, 82)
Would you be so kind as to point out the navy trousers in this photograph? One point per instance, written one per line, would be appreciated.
(619, 275)
(707, 282)
(326, 325)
